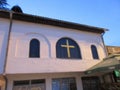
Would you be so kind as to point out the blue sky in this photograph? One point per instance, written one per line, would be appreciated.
(99, 13)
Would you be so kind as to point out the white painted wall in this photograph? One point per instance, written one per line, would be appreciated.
(22, 32)
(4, 27)
(48, 79)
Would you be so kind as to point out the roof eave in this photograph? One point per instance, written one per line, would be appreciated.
(49, 21)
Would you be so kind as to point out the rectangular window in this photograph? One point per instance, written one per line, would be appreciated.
(64, 84)
(91, 83)
(38, 84)
(23, 82)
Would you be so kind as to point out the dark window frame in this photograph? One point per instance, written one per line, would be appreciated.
(69, 82)
(61, 53)
(94, 52)
(21, 82)
(29, 83)
(34, 48)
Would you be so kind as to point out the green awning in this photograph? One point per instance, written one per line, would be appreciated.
(110, 63)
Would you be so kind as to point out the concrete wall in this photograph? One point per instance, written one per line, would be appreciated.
(113, 49)
(22, 32)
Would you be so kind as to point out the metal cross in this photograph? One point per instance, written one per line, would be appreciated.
(68, 48)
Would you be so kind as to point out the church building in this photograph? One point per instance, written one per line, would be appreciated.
(39, 53)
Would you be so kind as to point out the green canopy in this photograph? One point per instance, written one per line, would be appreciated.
(110, 63)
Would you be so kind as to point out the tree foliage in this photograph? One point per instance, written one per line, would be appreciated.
(3, 4)
(17, 8)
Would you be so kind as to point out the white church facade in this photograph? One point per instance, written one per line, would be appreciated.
(38, 53)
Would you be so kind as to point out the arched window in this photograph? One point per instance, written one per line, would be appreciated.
(34, 48)
(94, 52)
(67, 48)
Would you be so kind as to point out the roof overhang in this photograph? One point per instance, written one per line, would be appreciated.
(109, 64)
(49, 21)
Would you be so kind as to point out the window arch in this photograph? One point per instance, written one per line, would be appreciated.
(94, 52)
(67, 48)
(34, 48)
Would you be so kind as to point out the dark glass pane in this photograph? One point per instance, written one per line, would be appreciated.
(64, 84)
(75, 52)
(67, 48)
(34, 48)
(23, 82)
(38, 81)
(73, 84)
(61, 52)
(91, 83)
(56, 84)
(94, 52)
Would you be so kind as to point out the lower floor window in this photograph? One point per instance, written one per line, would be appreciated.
(64, 84)
(91, 83)
(38, 84)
